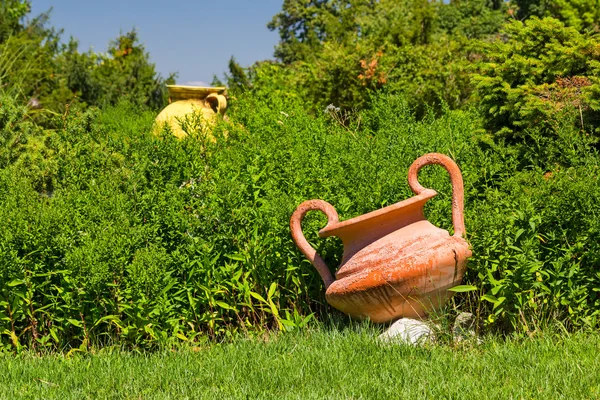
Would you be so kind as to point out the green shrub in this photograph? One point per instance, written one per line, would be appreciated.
(583, 15)
(49, 76)
(341, 52)
(147, 240)
(124, 73)
(536, 248)
(539, 74)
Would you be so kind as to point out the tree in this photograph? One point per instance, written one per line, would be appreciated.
(541, 74)
(304, 25)
(237, 80)
(123, 73)
(127, 73)
(12, 13)
(473, 18)
(338, 51)
(583, 15)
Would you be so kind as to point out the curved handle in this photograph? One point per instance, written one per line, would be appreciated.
(221, 102)
(458, 195)
(302, 243)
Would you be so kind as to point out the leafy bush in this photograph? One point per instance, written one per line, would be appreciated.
(539, 75)
(340, 52)
(536, 250)
(144, 240)
(49, 76)
(583, 15)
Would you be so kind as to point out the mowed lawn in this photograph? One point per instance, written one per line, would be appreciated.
(317, 364)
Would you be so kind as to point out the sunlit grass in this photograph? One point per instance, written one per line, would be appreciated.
(318, 364)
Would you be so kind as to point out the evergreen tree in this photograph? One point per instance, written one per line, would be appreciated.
(12, 13)
(540, 74)
(579, 14)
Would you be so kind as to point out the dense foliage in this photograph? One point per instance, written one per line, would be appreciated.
(335, 52)
(39, 69)
(141, 239)
(110, 234)
(541, 74)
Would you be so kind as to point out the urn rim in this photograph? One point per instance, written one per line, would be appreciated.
(334, 229)
(186, 91)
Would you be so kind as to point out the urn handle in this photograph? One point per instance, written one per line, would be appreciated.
(305, 247)
(458, 196)
(220, 102)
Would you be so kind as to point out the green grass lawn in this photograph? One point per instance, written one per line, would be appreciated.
(317, 364)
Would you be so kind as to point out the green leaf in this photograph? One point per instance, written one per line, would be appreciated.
(306, 319)
(519, 233)
(169, 286)
(224, 305)
(288, 323)
(20, 295)
(54, 335)
(74, 322)
(463, 288)
(532, 225)
(272, 290)
(112, 318)
(236, 257)
(490, 298)
(258, 297)
(274, 309)
(181, 336)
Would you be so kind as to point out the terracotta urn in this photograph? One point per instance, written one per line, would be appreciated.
(207, 102)
(395, 263)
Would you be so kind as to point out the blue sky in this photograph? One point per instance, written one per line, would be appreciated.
(194, 38)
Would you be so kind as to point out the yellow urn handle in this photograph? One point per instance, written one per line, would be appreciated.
(220, 100)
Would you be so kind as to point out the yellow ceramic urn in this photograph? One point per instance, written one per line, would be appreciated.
(188, 102)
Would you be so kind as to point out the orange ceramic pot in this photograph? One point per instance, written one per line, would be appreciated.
(395, 262)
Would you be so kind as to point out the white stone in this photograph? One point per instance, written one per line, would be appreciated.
(407, 330)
